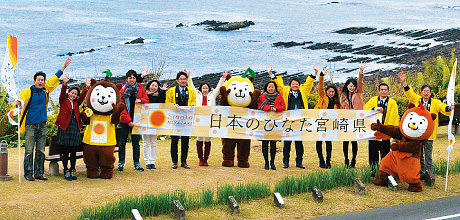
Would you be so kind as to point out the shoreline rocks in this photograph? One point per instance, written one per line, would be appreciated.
(212, 25)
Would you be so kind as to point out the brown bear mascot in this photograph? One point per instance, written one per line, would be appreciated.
(417, 125)
(103, 114)
(238, 91)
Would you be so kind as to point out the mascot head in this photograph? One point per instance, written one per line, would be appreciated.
(417, 123)
(240, 88)
(101, 96)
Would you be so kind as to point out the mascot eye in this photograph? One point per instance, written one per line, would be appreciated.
(109, 96)
(234, 88)
(421, 122)
(97, 94)
(245, 89)
(410, 118)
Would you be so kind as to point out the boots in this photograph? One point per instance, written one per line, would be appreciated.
(347, 163)
(207, 151)
(353, 162)
(265, 153)
(199, 150)
(272, 158)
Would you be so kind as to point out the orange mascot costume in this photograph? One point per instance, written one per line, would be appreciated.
(416, 126)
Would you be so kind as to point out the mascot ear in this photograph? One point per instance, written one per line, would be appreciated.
(93, 81)
(251, 79)
(119, 85)
(411, 105)
(433, 116)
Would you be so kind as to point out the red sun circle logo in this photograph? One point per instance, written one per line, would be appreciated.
(157, 118)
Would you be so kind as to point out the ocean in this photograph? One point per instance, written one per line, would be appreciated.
(48, 29)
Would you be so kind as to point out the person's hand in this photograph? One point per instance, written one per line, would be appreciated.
(273, 109)
(130, 124)
(269, 70)
(225, 74)
(66, 64)
(65, 79)
(380, 109)
(164, 87)
(452, 106)
(177, 105)
(325, 70)
(402, 77)
(188, 73)
(144, 72)
(88, 82)
(315, 68)
(138, 101)
(362, 66)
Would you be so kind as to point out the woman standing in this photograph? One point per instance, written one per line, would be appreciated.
(270, 100)
(352, 98)
(205, 97)
(328, 99)
(69, 125)
(155, 95)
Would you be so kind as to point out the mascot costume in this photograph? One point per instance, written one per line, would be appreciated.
(103, 111)
(416, 126)
(238, 91)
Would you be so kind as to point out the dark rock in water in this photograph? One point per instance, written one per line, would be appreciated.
(212, 23)
(355, 30)
(289, 44)
(224, 26)
(91, 50)
(81, 52)
(70, 54)
(338, 58)
(180, 25)
(139, 40)
(334, 2)
(231, 26)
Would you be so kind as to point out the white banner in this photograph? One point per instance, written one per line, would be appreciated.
(244, 123)
(8, 70)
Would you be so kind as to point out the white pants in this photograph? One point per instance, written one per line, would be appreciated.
(206, 139)
(150, 148)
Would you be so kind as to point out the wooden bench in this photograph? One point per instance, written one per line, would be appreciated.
(54, 153)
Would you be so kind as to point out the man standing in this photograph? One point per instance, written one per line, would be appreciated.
(433, 106)
(33, 121)
(180, 95)
(389, 109)
(131, 93)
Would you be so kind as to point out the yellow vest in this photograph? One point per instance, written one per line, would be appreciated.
(100, 131)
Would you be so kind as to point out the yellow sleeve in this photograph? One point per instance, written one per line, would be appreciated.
(413, 98)
(170, 99)
(372, 103)
(321, 91)
(441, 107)
(52, 83)
(307, 86)
(279, 82)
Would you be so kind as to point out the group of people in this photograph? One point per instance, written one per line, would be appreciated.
(275, 97)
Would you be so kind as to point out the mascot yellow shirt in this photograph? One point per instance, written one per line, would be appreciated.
(100, 131)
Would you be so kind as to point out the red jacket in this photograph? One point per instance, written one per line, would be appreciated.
(65, 109)
(141, 94)
(279, 105)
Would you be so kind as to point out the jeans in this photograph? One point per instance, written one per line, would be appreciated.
(426, 160)
(135, 138)
(35, 136)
